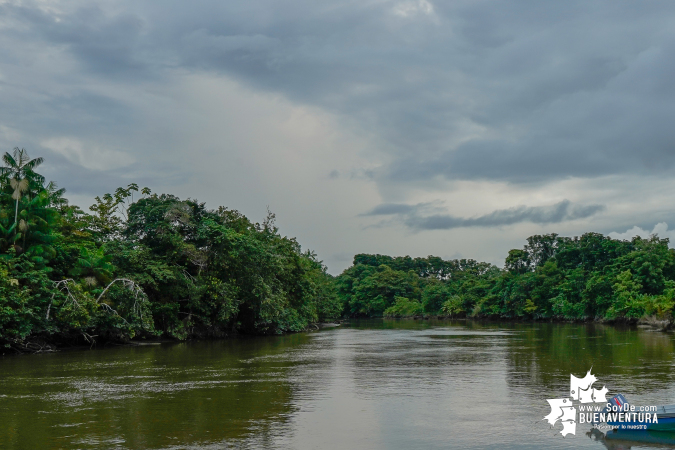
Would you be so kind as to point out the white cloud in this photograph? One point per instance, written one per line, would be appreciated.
(9, 135)
(90, 156)
(660, 229)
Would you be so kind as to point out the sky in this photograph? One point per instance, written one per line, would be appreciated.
(401, 127)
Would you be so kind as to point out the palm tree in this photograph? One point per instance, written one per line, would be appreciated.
(56, 199)
(19, 168)
(36, 221)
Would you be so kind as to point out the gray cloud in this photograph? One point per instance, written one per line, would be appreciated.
(514, 93)
(391, 208)
(109, 44)
(414, 217)
(462, 90)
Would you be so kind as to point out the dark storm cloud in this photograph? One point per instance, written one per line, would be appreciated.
(414, 217)
(108, 44)
(466, 90)
(390, 208)
(515, 91)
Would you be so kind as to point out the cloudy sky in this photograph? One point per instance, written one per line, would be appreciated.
(454, 128)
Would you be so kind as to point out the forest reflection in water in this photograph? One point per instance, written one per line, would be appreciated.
(377, 384)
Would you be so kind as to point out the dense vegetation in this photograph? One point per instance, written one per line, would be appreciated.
(151, 266)
(148, 265)
(552, 277)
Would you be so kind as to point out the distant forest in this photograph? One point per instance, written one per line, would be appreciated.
(144, 265)
(552, 277)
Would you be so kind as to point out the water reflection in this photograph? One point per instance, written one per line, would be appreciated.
(369, 385)
(625, 440)
(637, 362)
(148, 397)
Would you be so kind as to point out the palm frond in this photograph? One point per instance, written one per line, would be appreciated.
(33, 163)
(36, 177)
(20, 155)
(9, 161)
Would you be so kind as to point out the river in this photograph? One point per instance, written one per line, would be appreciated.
(379, 384)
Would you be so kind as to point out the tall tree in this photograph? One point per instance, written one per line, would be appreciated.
(20, 170)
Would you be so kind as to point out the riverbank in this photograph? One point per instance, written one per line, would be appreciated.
(51, 344)
(651, 322)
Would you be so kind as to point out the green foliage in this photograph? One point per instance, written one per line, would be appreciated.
(111, 211)
(25, 295)
(403, 307)
(372, 284)
(434, 296)
(378, 291)
(518, 261)
(214, 271)
(454, 306)
(552, 277)
(146, 265)
(94, 266)
(150, 265)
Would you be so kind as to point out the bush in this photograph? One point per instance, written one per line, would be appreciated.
(404, 307)
(453, 306)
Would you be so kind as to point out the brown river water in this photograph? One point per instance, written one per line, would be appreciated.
(379, 384)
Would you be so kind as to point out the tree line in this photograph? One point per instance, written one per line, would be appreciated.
(145, 265)
(553, 277)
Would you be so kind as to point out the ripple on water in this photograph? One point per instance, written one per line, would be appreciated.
(399, 386)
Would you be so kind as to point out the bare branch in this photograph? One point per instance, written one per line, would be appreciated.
(62, 286)
(136, 290)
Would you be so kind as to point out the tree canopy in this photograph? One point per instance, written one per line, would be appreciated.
(551, 277)
(146, 265)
